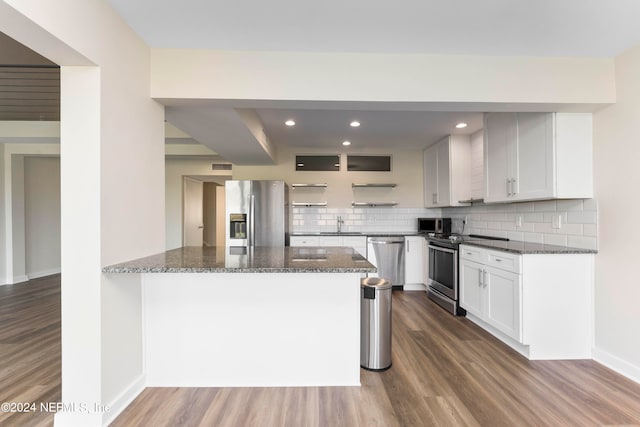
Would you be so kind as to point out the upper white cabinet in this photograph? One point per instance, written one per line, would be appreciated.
(534, 156)
(447, 166)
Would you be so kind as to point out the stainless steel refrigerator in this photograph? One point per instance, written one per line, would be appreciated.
(257, 213)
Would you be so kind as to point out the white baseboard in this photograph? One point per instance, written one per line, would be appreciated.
(617, 364)
(43, 273)
(414, 287)
(120, 403)
(17, 279)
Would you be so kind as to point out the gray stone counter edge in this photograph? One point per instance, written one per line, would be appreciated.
(204, 270)
(529, 248)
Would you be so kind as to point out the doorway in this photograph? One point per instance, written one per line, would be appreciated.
(203, 211)
(193, 226)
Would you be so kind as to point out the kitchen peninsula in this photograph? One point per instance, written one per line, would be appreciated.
(283, 316)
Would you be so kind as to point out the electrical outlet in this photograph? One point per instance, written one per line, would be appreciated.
(556, 221)
(519, 221)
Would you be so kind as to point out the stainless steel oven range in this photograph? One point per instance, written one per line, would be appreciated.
(443, 286)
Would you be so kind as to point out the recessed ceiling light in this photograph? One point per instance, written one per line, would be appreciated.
(346, 143)
(354, 124)
(461, 125)
(290, 123)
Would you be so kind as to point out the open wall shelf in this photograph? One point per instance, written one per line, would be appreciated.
(373, 185)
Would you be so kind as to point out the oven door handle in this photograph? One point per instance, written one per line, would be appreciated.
(438, 248)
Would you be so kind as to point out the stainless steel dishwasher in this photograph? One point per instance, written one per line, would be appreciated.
(387, 254)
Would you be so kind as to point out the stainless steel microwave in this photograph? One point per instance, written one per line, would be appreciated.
(434, 225)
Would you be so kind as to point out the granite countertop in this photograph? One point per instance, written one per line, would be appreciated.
(522, 248)
(194, 259)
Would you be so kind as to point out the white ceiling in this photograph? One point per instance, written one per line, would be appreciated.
(488, 27)
(378, 129)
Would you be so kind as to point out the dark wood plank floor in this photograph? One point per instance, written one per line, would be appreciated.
(446, 372)
(30, 349)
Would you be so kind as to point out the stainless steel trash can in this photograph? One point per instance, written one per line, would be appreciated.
(375, 324)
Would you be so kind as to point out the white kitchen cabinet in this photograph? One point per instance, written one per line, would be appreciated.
(447, 169)
(502, 292)
(539, 304)
(330, 240)
(359, 243)
(304, 241)
(535, 156)
(414, 262)
(491, 294)
(471, 290)
(430, 175)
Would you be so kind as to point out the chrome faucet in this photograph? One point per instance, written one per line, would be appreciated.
(340, 221)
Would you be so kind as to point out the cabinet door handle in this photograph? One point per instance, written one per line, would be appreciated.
(484, 278)
(508, 187)
(480, 277)
(408, 246)
(513, 187)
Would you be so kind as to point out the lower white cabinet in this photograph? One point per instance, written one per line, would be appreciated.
(539, 304)
(414, 261)
(359, 243)
(493, 295)
(304, 241)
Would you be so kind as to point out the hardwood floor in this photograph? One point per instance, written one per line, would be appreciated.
(30, 349)
(446, 372)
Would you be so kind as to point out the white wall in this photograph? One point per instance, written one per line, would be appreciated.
(111, 189)
(42, 215)
(617, 179)
(403, 78)
(12, 257)
(18, 268)
(406, 171)
(3, 237)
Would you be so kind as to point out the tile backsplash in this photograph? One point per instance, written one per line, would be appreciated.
(533, 221)
(527, 221)
(382, 220)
